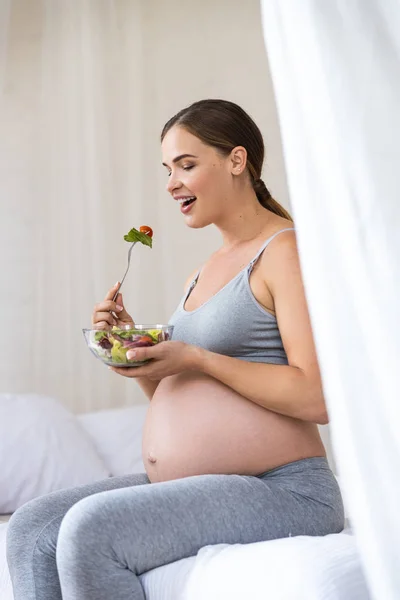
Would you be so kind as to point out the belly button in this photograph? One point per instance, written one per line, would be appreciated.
(152, 458)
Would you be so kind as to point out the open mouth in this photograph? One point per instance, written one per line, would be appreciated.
(189, 201)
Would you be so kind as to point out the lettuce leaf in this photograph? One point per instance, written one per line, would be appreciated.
(99, 335)
(137, 236)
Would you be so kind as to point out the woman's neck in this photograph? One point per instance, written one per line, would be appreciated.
(244, 224)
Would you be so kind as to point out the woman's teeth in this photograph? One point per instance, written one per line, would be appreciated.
(187, 201)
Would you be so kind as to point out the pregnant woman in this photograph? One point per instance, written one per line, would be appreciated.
(231, 444)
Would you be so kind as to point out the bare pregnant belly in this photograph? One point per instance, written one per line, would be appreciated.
(197, 425)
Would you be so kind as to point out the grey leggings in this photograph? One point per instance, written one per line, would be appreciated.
(92, 542)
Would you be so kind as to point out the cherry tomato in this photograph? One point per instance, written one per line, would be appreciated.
(147, 230)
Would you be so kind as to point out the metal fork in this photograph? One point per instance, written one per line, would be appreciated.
(127, 269)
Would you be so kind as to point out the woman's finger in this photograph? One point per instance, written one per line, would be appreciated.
(125, 371)
(108, 305)
(131, 372)
(102, 325)
(111, 291)
(123, 315)
(99, 317)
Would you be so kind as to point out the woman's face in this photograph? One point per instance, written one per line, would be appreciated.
(199, 177)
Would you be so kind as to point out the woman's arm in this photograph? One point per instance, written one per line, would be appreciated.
(295, 389)
(284, 389)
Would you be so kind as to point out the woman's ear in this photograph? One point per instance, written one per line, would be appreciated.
(238, 160)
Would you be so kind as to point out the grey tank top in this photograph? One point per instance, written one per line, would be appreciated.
(232, 322)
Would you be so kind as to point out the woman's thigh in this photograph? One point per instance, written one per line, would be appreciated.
(53, 507)
(148, 526)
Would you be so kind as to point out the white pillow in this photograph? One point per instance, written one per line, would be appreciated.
(43, 448)
(117, 435)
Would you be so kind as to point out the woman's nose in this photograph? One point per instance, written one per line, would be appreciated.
(173, 184)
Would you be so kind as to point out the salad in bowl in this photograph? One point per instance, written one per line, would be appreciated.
(112, 346)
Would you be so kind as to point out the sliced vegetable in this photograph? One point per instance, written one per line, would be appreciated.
(147, 230)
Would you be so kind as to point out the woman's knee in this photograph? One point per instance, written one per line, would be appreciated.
(35, 523)
(24, 521)
(84, 527)
(18, 530)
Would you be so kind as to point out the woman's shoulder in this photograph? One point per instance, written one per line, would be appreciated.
(280, 258)
(279, 246)
(279, 235)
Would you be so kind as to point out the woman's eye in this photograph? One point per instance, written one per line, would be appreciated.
(185, 168)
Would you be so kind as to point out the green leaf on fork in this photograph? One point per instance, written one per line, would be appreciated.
(137, 236)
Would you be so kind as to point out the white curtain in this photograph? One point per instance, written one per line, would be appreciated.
(336, 73)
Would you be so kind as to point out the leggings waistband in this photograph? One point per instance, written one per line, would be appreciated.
(298, 466)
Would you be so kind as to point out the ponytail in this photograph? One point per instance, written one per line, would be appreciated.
(267, 201)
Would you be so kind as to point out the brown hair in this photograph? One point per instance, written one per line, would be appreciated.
(224, 125)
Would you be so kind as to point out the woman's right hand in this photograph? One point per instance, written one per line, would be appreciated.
(108, 313)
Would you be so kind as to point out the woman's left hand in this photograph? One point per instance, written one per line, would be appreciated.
(167, 358)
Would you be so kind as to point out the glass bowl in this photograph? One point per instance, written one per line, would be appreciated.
(111, 346)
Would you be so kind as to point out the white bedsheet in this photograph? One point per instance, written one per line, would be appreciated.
(299, 568)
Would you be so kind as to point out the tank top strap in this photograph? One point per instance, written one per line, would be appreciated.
(257, 256)
(190, 287)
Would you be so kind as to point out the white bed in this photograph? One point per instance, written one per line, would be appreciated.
(300, 568)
